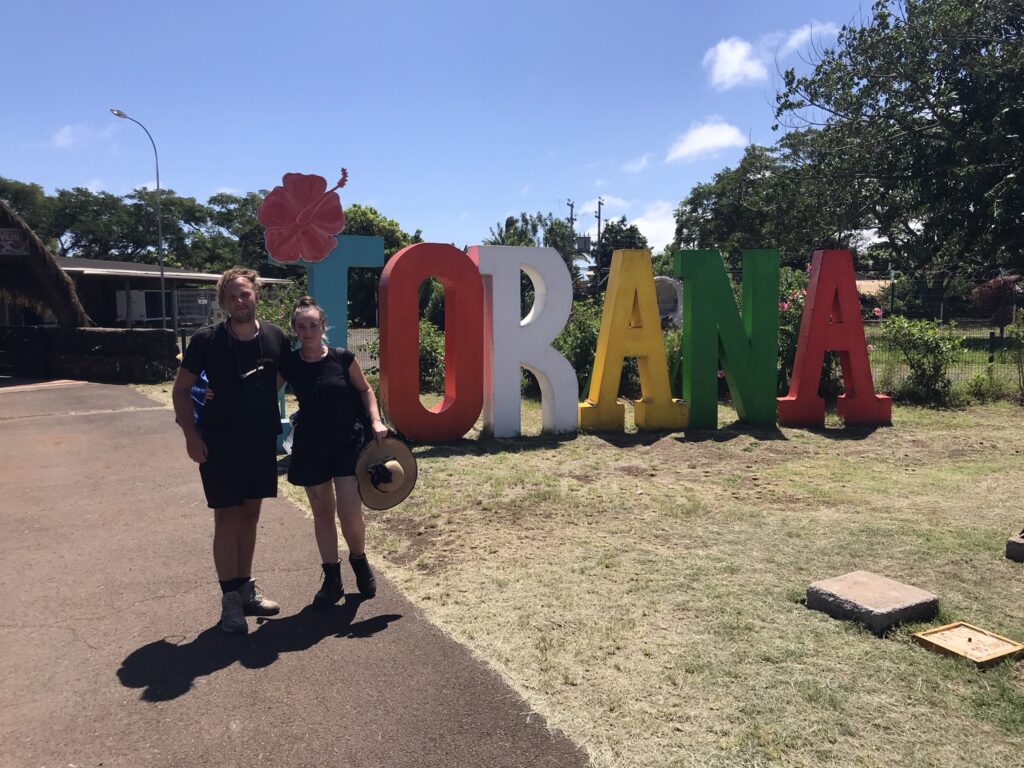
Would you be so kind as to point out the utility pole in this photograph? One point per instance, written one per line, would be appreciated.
(599, 268)
(572, 219)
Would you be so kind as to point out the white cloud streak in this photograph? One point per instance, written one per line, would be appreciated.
(802, 36)
(658, 223)
(67, 136)
(733, 61)
(637, 164)
(611, 203)
(706, 138)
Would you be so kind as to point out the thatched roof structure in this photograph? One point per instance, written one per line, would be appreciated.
(36, 280)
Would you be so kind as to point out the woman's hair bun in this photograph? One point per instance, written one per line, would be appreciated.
(306, 301)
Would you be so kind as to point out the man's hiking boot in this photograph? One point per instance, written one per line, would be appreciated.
(364, 576)
(254, 603)
(331, 591)
(232, 618)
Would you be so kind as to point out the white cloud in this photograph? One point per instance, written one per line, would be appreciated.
(68, 136)
(525, 190)
(81, 136)
(611, 203)
(95, 185)
(637, 164)
(733, 62)
(600, 183)
(658, 223)
(705, 138)
(801, 36)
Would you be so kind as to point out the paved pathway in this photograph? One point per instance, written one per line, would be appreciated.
(109, 653)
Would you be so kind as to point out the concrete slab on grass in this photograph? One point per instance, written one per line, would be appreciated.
(875, 601)
(1015, 548)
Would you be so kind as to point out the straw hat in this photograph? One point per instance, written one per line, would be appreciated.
(386, 473)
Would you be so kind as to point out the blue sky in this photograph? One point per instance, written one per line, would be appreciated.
(449, 115)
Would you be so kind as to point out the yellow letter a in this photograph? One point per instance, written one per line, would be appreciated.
(631, 327)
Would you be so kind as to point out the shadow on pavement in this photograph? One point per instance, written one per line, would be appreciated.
(166, 669)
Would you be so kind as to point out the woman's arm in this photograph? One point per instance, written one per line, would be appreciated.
(358, 380)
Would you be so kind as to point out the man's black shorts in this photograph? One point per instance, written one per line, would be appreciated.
(239, 467)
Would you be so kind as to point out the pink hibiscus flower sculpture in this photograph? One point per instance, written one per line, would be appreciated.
(302, 217)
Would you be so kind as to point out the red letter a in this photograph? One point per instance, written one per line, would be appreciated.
(831, 323)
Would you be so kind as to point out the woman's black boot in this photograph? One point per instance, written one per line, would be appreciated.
(364, 575)
(331, 591)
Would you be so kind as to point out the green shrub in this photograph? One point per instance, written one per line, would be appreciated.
(1015, 334)
(929, 353)
(578, 340)
(792, 294)
(984, 387)
(431, 357)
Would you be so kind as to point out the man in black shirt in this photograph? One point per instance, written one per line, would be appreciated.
(235, 439)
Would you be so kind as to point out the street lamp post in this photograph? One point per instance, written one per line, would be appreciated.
(159, 218)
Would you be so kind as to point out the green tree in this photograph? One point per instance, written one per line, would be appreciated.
(615, 235)
(362, 282)
(775, 197)
(235, 235)
(920, 113)
(535, 230)
(32, 203)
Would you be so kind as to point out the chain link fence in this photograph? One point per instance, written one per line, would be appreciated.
(984, 351)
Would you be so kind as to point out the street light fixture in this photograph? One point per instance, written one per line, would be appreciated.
(159, 218)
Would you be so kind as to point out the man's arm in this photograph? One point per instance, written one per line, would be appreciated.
(181, 396)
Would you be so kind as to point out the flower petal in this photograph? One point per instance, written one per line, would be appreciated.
(277, 209)
(328, 216)
(305, 188)
(314, 245)
(283, 244)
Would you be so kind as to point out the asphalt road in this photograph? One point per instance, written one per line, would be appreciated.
(109, 650)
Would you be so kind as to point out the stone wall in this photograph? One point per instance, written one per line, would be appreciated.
(114, 355)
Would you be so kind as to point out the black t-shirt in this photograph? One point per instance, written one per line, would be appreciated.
(323, 389)
(243, 377)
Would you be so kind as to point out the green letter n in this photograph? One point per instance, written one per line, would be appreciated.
(713, 332)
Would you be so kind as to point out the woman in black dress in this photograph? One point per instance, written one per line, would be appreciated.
(326, 444)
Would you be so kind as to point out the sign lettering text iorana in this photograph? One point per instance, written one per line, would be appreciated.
(487, 342)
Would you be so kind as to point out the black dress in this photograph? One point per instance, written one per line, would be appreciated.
(328, 436)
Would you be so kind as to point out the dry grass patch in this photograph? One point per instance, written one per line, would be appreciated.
(643, 592)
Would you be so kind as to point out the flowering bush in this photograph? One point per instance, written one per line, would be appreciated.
(792, 294)
(792, 297)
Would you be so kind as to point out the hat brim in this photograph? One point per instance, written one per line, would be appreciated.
(389, 447)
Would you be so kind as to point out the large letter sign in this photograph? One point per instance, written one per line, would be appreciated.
(463, 342)
(631, 327)
(713, 332)
(831, 323)
(487, 343)
(327, 280)
(510, 342)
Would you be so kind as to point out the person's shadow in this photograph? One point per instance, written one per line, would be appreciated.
(166, 669)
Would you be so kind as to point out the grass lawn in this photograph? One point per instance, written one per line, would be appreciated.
(644, 591)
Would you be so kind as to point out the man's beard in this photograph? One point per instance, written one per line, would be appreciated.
(243, 315)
